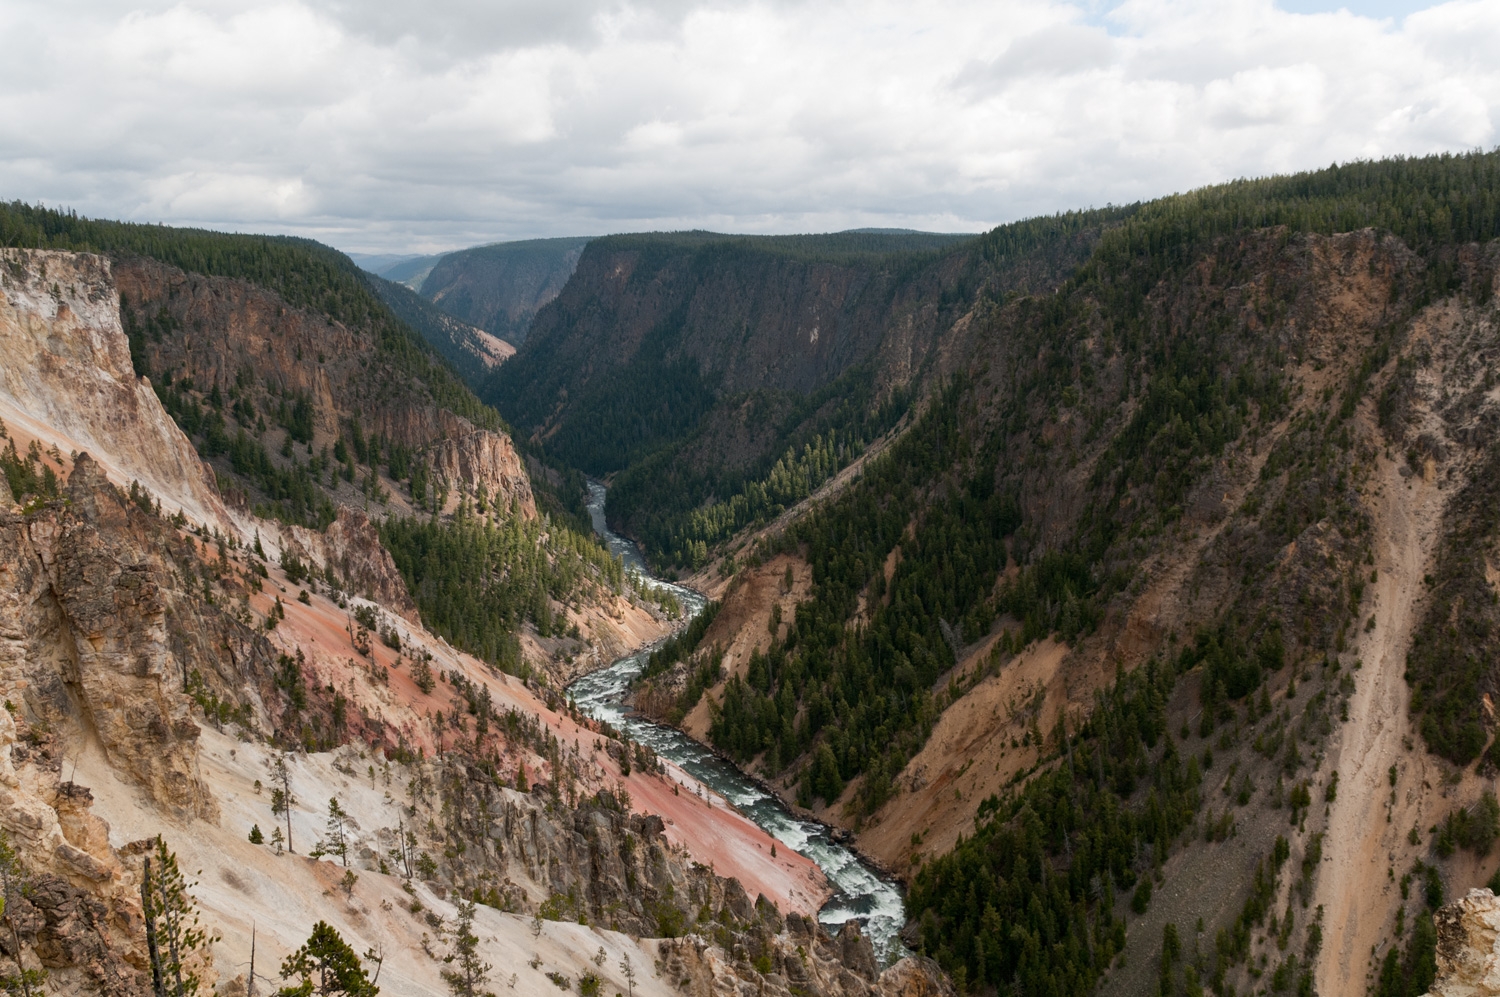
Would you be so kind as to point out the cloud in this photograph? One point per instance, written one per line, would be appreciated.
(383, 126)
(1056, 50)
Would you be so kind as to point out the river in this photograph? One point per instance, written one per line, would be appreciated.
(860, 893)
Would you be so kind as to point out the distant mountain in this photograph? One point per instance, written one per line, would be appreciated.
(403, 268)
(379, 262)
(470, 350)
(411, 272)
(498, 288)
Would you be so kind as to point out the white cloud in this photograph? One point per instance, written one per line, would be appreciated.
(378, 125)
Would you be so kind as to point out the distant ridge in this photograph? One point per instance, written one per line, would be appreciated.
(499, 287)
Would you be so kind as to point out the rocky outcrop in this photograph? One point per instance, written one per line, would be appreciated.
(66, 373)
(351, 546)
(93, 633)
(802, 959)
(1468, 946)
(78, 917)
(484, 463)
(598, 863)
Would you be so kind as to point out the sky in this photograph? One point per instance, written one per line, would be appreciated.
(393, 126)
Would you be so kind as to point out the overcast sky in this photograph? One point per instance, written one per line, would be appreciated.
(393, 125)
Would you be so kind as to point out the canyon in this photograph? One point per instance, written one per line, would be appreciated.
(160, 658)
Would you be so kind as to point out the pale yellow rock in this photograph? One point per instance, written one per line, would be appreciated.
(66, 377)
(1468, 959)
(7, 739)
(487, 459)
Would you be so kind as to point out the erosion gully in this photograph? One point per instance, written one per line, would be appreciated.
(860, 892)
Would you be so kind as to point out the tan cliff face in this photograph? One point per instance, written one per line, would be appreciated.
(65, 368)
(100, 635)
(351, 548)
(485, 461)
(1468, 946)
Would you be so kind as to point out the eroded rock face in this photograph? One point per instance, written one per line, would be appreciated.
(83, 610)
(484, 460)
(351, 546)
(65, 364)
(1468, 946)
(103, 629)
(616, 869)
(79, 919)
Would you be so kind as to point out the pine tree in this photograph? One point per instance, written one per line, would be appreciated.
(327, 966)
(174, 937)
(282, 799)
(337, 842)
(472, 972)
(15, 883)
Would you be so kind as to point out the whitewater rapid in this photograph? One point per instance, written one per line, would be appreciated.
(860, 893)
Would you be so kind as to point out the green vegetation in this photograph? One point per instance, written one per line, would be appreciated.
(28, 476)
(1432, 204)
(1411, 972)
(680, 646)
(467, 973)
(868, 692)
(175, 941)
(1473, 828)
(452, 339)
(628, 411)
(496, 287)
(15, 886)
(1458, 639)
(664, 499)
(706, 668)
(326, 964)
(476, 582)
(840, 248)
(1029, 901)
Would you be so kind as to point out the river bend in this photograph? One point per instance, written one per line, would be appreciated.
(860, 893)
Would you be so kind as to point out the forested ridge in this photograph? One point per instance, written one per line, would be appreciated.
(1151, 356)
(642, 413)
(449, 336)
(305, 273)
(476, 581)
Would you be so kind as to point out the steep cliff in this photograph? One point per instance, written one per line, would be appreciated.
(652, 329)
(66, 367)
(691, 363)
(293, 379)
